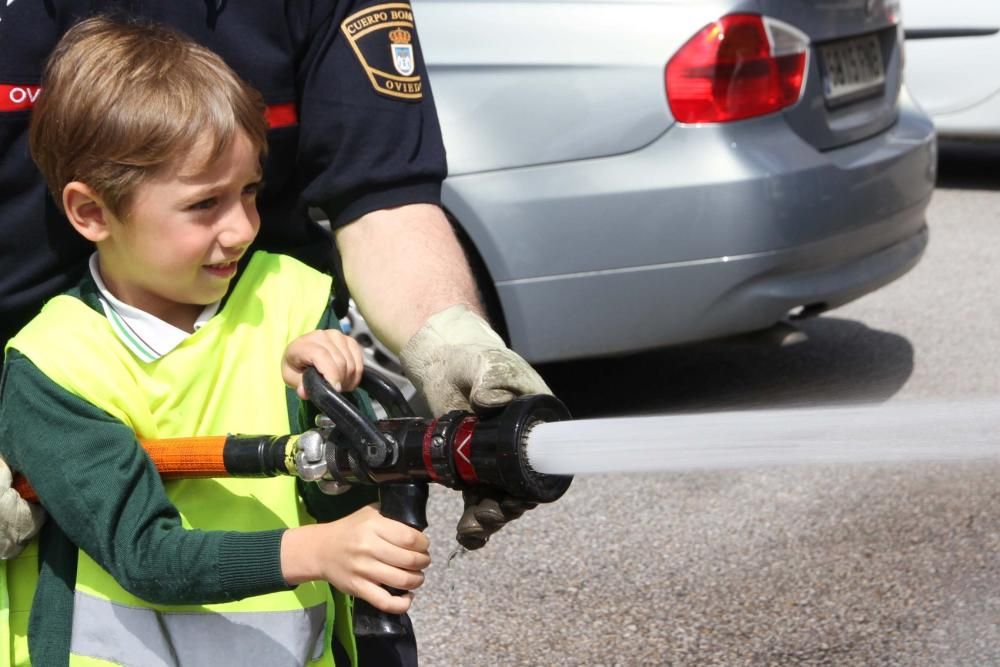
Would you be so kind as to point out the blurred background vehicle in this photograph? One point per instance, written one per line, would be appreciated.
(627, 175)
(951, 50)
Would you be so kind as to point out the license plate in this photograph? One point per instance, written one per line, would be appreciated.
(852, 68)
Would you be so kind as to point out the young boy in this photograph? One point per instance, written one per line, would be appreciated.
(151, 146)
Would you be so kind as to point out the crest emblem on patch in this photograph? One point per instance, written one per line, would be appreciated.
(393, 70)
(402, 51)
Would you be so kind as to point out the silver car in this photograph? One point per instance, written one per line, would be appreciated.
(640, 173)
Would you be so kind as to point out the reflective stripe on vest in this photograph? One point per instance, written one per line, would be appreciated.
(223, 379)
(138, 636)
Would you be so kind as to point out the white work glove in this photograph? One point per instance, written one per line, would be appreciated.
(459, 363)
(19, 519)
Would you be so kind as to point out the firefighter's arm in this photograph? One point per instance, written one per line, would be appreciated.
(403, 265)
(410, 278)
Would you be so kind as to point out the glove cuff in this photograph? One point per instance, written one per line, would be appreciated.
(455, 325)
(459, 363)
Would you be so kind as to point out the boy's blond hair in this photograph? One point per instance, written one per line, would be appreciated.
(122, 99)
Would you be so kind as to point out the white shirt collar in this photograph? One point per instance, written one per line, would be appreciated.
(148, 337)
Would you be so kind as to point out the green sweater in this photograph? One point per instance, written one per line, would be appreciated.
(52, 435)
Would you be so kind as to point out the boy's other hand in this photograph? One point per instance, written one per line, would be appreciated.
(359, 554)
(337, 357)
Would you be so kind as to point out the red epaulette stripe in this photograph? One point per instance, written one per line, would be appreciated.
(21, 97)
(18, 96)
(281, 115)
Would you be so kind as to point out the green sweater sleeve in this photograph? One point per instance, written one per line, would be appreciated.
(104, 493)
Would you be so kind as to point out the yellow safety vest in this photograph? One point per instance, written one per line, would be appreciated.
(225, 378)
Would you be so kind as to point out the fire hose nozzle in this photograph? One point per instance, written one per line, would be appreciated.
(458, 450)
(497, 449)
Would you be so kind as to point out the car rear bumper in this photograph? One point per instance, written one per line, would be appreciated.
(705, 232)
(630, 310)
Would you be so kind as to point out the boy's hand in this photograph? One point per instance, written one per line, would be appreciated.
(358, 555)
(337, 357)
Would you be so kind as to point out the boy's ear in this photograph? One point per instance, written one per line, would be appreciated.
(86, 212)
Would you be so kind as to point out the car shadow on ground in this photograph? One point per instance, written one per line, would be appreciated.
(969, 166)
(843, 361)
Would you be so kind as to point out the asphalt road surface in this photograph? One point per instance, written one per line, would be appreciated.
(824, 565)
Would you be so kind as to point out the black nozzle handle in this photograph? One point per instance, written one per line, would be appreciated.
(358, 432)
(405, 502)
(385, 392)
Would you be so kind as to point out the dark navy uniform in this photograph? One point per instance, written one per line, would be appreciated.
(353, 123)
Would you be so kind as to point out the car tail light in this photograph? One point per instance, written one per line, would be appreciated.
(742, 65)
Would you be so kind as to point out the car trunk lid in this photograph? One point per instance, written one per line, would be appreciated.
(854, 73)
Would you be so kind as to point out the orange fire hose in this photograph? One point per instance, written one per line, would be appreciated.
(174, 458)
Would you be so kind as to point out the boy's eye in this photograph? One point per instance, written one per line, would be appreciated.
(203, 205)
(252, 188)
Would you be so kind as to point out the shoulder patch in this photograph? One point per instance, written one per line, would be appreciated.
(382, 37)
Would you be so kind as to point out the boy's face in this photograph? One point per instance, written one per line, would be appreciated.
(184, 231)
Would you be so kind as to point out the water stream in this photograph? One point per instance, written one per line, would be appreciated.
(892, 432)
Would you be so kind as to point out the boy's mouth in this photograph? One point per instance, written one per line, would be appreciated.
(222, 270)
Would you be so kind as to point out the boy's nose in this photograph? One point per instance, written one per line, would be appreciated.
(241, 226)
